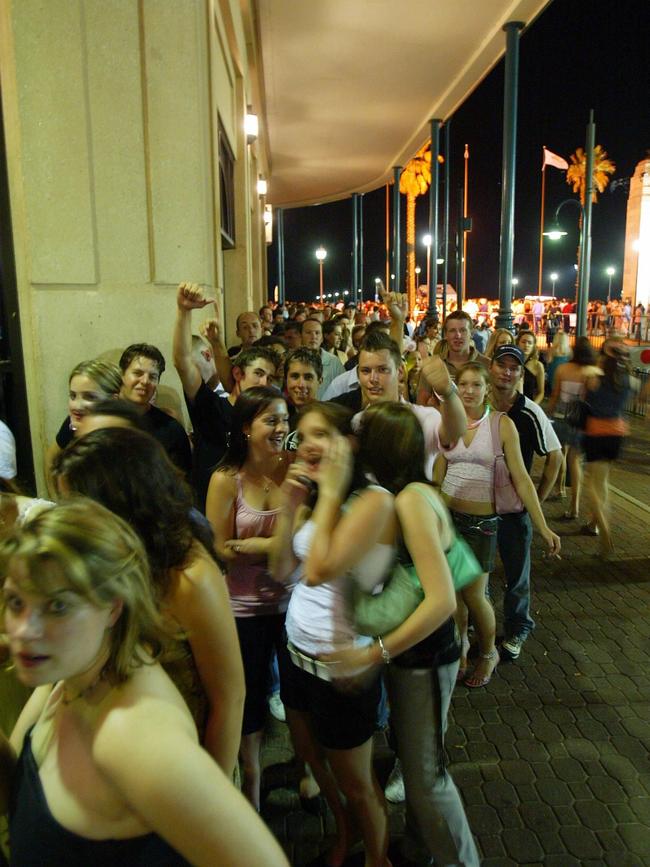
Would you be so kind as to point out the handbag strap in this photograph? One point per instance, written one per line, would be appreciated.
(495, 432)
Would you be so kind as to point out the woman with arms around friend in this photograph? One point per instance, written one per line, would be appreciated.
(104, 766)
(421, 652)
(130, 473)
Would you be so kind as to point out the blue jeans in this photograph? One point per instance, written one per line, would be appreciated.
(514, 538)
(436, 824)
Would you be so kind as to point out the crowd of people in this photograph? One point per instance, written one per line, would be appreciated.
(320, 536)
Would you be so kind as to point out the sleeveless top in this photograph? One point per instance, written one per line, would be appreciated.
(530, 384)
(317, 618)
(252, 590)
(606, 406)
(178, 662)
(37, 838)
(571, 390)
(470, 469)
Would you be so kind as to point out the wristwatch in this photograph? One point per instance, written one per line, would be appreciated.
(452, 390)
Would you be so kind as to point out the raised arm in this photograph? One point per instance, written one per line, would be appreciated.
(179, 792)
(454, 420)
(188, 297)
(201, 606)
(524, 484)
(211, 330)
(397, 305)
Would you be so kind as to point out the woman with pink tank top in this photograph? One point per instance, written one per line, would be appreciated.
(242, 505)
(465, 470)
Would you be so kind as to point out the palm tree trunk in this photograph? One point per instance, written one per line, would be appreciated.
(410, 249)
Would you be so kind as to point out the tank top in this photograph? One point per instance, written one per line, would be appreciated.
(37, 838)
(470, 469)
(530, 384)
(253, 591)
(317, 618)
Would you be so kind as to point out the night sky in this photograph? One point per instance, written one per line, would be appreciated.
(577, 56)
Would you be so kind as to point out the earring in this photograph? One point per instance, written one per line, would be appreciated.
(248, 436)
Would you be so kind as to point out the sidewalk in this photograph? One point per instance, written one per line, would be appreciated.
(553, 757)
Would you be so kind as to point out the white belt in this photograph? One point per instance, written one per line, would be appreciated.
(320, 669)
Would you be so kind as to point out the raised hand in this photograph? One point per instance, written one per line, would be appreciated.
(190, 296)
(296, 486)
(211, 330)
(396, 303)
(335, 470)
(434, 371)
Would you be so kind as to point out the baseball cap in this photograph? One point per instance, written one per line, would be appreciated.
(512, 351)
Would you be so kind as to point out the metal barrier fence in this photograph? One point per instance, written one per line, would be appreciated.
(638, 402)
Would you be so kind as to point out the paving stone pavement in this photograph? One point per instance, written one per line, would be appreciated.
(553, 758)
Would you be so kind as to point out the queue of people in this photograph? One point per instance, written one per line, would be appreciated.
(170, 581)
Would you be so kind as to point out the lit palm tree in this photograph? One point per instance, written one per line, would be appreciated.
(577, 171)
(576, 178)
(414, 181)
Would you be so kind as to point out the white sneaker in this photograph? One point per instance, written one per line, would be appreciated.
(276, 707)
(512, 646)
(394, 790)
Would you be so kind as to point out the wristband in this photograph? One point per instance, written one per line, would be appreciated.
(452, 390)
(385, 655)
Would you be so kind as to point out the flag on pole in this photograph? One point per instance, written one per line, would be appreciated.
(551, 159)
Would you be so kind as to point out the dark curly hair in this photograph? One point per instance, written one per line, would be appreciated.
(128, 472)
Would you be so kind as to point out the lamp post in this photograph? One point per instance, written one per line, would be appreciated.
(427, 240)
(418, 271)
(555, 233)
(515, 283)
(553, 277)
(321, 253)
(610, 273)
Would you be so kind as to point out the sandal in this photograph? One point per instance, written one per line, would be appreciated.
(475, 681)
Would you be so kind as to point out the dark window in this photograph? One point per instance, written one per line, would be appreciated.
(226, 190)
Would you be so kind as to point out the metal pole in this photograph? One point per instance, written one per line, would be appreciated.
(585, 244)
(460, 288)
(432, 267)
(355, 246)
(280, 240)
(360, 280)
(396, 261)
(321, 281)
(507, 233)
(445, 264)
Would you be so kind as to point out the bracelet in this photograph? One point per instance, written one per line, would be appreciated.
(453, 390)
(385, 655)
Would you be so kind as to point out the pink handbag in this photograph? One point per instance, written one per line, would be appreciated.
(506, 498)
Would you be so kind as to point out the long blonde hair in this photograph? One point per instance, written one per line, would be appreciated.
(103, 560)
(494, 338)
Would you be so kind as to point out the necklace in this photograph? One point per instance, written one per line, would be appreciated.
(472, 424)
(84, 692)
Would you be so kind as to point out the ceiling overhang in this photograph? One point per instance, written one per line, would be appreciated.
(350, 87)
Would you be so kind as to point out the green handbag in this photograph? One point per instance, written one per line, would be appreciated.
(380, 613)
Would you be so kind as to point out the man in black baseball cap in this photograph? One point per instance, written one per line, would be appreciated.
(515, 533)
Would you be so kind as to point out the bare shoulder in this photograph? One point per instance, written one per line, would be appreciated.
(147, 707)
(224, 480)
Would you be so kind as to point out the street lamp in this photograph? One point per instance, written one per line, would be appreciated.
(553, 277)
(515, 283)
(321, 253)
(610, 273)
(555, 233)
(418, 271)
